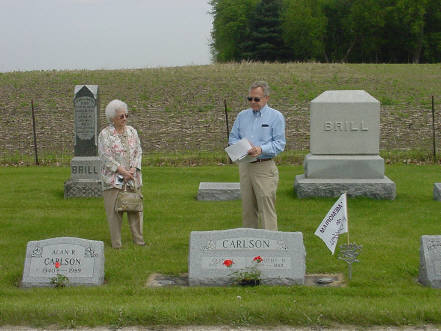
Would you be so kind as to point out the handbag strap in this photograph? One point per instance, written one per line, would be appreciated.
(124, 187)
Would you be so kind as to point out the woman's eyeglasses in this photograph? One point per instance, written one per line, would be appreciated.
(255, 99)
(123, 115)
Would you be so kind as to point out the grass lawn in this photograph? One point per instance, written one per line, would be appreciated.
(383, 291)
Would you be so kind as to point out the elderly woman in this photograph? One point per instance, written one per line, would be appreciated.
(120, 153)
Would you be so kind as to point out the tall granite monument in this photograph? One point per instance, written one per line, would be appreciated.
(344, 148)
(85, 166)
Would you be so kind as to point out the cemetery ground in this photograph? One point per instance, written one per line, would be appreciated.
(384, 289)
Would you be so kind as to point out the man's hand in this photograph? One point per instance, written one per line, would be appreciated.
(255, 151)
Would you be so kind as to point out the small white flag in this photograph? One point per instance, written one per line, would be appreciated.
(334, 223)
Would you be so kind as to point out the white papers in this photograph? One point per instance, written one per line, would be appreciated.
(239, 151)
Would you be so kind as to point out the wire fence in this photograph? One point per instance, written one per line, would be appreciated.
(168, 132)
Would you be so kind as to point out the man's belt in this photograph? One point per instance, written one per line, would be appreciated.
(261, 160)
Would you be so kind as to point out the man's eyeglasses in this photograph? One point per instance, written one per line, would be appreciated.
(123, 115)
(255, 99)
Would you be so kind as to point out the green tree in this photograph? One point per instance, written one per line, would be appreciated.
(265, 42)
(432, 32)
(366, 23)
(339, 38)
(230, 28)
(303, 29)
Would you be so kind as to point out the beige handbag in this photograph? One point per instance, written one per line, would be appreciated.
(129, 200)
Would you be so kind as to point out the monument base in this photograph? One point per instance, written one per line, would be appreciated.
(218, 191)
(437, 191)
(344, 166)
(82, 188)
(382, 189)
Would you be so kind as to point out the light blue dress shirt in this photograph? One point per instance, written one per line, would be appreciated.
(264, 128)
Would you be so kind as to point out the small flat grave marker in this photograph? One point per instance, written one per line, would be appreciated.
(218, 191)
(80, 260)
(283, 256)
(430, 261)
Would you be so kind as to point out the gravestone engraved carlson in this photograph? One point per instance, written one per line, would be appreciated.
(218, 191)
(80, 260)
(344, 143)
(283, 256)
(430, 261)
(85, 166)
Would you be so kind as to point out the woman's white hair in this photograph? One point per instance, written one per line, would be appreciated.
(113, 106)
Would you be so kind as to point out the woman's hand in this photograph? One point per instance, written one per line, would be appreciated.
(128, 175)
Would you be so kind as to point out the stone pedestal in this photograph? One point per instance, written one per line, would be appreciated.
(382, 188)
(85, 178)
(218, 191)
(345, 135)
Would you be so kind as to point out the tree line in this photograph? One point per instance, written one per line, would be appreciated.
(372, 31)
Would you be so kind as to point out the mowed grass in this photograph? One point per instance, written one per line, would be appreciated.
(384, 289)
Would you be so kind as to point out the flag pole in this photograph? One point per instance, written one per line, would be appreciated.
(347, 215)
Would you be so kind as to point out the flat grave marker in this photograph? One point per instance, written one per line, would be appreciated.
(217, 191)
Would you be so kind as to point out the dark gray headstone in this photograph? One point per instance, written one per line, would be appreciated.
(283, 255)
(85, 178)
(430, 261)
(86, 107)
(80, 260)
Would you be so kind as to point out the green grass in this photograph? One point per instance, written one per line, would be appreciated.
(383, 291)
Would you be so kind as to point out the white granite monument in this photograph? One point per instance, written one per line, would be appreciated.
(344, 148)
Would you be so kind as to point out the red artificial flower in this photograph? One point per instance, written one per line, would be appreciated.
(57, 265)
(258, 259)
(228, 263)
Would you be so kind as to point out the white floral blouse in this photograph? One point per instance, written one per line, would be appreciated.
(113, 153)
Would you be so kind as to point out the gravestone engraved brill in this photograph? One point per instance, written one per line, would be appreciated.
(283, 256)
(85, 178)
(344, 148)
(80, 260)
(430, 261)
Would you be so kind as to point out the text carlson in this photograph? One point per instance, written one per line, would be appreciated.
(345, 126)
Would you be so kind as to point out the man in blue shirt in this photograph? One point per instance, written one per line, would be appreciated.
(264, 127)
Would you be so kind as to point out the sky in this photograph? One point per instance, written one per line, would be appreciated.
(103, 34)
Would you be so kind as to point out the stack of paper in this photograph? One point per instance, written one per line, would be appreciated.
(239, 151)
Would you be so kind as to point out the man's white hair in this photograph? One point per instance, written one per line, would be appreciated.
(113, 107)
(262, 84)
